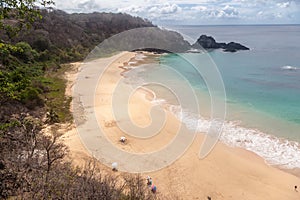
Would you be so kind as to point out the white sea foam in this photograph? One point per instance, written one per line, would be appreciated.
(158, 101)
(140, 56)
(275, 151)
(127, 67)
(132, 76)
(132, 63)
(287, 67)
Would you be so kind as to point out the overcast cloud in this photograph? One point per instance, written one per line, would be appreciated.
(195, 12)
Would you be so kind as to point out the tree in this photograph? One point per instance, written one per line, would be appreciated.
(15, 14)
(136, 188)
(54, 149)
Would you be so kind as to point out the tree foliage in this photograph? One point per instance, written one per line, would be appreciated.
(15, 14)
(33, 166)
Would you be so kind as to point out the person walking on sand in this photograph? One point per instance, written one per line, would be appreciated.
(296, 188)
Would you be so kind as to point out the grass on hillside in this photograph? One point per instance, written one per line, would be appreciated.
(55, 99)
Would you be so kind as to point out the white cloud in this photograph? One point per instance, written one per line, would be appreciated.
(283, 4)
(194, 11)
(260, 13)
(131, 9)
(170, 8)
(230, 11)
(199, 8)
(216, 12)
(157, 12)
(278, 15)
(165, 9)
(89, 5)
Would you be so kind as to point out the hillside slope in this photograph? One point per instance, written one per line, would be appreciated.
(71, 36)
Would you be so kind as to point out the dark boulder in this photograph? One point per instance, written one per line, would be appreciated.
(235, 46)
(207, 42)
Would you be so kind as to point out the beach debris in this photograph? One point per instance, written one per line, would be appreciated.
(114, 166)
(123, 139)
(208, 198)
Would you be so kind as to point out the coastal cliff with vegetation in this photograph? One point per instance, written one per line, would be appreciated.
(33, 161)
(70, 37)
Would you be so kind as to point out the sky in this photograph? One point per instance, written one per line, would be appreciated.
(194, 12)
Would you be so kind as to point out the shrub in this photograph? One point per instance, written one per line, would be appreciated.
(25, 52)
(41, 44)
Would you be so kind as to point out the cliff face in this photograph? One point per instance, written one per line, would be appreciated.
(208, 42)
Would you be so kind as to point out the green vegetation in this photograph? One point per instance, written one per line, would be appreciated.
(24, 78)
(31, 62)
(70, 37)
(32, 95)
(57, 102)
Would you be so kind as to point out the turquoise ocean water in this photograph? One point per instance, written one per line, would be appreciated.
(262, 87)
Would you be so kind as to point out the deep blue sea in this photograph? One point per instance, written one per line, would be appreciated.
(262, 87)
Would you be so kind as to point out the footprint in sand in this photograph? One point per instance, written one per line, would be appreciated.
(110, 123)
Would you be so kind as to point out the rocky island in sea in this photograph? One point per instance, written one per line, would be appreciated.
(208, 42)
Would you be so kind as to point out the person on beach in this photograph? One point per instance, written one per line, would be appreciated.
(153, 188)
(149, 181)
(123, 139)
(296, 188)
(114, 166)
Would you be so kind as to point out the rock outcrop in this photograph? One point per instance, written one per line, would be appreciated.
(208, 42)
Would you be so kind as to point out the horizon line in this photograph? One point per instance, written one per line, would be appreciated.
(229, 25)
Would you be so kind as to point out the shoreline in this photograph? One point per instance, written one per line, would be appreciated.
(189, 159)
(238, 143)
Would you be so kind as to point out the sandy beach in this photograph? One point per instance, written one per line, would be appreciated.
(226, 173)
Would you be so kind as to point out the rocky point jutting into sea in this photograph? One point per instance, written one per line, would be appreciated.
(170, 41)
